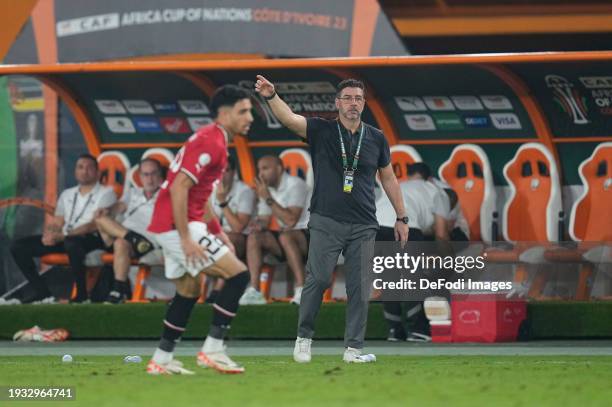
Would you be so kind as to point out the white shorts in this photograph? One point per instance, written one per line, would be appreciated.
(175, 262)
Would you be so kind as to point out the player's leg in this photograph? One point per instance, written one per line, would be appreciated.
(122, 255)
(180, 307)
(295, 247)
(176, 318)
(239, 242)
(258, 244)
(236, 277)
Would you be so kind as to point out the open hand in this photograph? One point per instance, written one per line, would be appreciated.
(264, 87)
(194, 253)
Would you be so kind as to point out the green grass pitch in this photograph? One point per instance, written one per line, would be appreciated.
(277, 381)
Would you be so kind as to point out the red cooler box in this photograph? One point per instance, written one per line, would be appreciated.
(486, 317)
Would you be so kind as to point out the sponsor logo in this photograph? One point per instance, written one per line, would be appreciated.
(496, 102)
(439, 103)
(601, 91)
(477, 121)
(147, 125)
(99, 22)
(568, 97)
(166, 107)
(505, 121)
(138, 106)
(304, 87)
(203, 161)
(120, 125)
(193, 107)
(196, 122)
(410, 103)
(174, 125)
(596, 82)
(419, 122)
(467, 102)
(448, 121)
(110, 106)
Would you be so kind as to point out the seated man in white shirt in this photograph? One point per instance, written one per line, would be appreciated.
(428, 211)
(234, 204)
(286, 198)
(72, 231)
(128, 235)
(458, 228)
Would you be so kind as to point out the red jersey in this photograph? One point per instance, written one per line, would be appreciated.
(203, 159)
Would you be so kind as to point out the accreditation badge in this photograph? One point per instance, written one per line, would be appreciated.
(348, 181)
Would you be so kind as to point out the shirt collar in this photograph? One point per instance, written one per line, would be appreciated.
(347, 130)
(91, 192)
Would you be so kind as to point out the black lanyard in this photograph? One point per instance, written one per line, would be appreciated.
(343, 150)
(76, 195)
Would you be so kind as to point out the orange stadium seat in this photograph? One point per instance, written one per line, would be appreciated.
(114, 167)
(468, 172)
(531, 213)
(591, 216)
(297, 162)
(401, 157)
(590, 219)
(163, 155)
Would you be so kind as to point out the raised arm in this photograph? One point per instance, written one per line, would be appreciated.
(294, 122)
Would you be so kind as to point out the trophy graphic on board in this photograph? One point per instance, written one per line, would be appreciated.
(568, 97)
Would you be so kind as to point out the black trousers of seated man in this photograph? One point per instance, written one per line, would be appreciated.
(416, 321)
(26, 249)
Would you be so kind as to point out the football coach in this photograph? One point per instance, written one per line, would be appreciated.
(346, 156)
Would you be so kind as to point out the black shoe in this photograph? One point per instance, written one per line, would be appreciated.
(115, 297)
(396, 335)
(418, 337)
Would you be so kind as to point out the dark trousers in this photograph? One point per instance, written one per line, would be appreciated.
(24, 251)
(329, 238)
(416, 320)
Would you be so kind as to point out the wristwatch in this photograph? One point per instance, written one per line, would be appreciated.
(270, 201)
(404, 220)
(223, 204)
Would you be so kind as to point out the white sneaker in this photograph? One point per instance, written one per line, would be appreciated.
(352, 355)
(297, 296)
(301, 351)
(172, 367)
(47, 300)
(252, 297)
(219, 361)
(12, 301)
